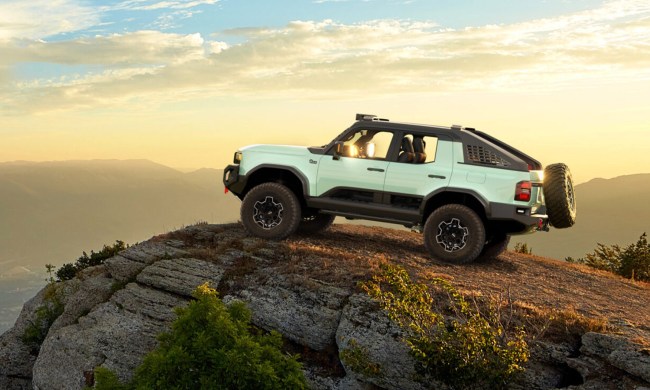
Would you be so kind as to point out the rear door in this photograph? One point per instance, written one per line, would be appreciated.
(410, 182)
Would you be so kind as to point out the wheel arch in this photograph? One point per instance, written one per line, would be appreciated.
(288, 176)
(450, 195)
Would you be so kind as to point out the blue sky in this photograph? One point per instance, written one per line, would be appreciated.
(208, 17)
(186, 82)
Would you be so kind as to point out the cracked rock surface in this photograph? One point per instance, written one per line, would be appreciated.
(306, 288)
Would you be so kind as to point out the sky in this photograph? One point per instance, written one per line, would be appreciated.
(187, 82)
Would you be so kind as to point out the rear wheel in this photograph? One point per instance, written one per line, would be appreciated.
(454, 233)
(313, 222)
(559, 196)
(270, 210)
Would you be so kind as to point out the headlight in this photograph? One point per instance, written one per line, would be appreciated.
(237, 158)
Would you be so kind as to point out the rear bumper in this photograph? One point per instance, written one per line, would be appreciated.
(522, 215)
(233, 180)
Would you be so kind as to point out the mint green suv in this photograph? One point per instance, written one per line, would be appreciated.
(466, 191)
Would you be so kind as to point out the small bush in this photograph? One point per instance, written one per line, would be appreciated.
(210, 347)
(356, 357)
(631, 262)
(522, 247)
(46, 314)
(106, 379)
(69, 270)
(469, 351)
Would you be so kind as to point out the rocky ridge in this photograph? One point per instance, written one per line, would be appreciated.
(306, 289)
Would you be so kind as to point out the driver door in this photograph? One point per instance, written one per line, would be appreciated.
(360, 170)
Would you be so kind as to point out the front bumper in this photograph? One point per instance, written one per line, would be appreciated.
(233, 181)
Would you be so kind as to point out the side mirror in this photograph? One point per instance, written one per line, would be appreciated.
(338, 150)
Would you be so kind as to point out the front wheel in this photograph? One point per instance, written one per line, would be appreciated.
(454, 233)
(270, 210)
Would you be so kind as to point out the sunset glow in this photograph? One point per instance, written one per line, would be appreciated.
(185, 83)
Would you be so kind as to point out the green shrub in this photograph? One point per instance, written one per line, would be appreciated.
(210, 347)
(69, 270)
(46, 314)
(635, 260)
(106, 379)
(356, 357)
(632, 261)
(522, 247)
(471, 350)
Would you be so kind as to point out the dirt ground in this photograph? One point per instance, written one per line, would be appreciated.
(346, 254)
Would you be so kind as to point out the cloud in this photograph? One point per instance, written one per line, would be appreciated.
(137, 48)
(41, 18)
(155, 5)
(328, 59)
(36, 19)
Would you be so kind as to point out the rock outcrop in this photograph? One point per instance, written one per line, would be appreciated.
(304, 288)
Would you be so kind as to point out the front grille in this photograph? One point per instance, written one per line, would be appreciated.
(481, 155)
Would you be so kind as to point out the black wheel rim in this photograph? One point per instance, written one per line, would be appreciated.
(452, 235)
(268, 213)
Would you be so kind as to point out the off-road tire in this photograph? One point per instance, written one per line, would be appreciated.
(271, 211)
(313, 222)
(454, 233)
(559, 196)
(494, 247)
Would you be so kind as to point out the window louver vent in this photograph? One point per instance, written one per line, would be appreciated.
(482, 155)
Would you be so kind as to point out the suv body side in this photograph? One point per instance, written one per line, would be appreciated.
(405, 193)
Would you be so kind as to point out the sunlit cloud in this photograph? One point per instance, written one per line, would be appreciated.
(325, 58)
(154, 5)
(40, 18)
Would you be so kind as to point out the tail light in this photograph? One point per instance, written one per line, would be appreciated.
(523, 191)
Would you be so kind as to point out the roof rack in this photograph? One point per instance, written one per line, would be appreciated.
(368, 117)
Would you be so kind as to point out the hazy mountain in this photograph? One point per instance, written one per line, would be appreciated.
(52, 211)
(610, 211)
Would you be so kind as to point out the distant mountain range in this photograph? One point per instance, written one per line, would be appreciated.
(610, 211)
(52, 211)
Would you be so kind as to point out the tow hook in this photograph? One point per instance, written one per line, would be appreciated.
(542, 225)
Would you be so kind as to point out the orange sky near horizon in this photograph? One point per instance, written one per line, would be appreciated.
(571, 88)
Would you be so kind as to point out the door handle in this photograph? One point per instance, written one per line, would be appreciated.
(437, 177)
(376, 169)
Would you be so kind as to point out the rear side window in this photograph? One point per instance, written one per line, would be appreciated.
(424, 148)
(430, 147)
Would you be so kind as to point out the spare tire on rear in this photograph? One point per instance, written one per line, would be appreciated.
(559, 195)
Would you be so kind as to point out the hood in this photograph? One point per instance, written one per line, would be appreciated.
(277, 149)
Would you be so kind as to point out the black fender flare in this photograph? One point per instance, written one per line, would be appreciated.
(303, 180)
(474, 194)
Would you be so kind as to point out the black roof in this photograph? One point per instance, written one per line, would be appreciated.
(466, 135)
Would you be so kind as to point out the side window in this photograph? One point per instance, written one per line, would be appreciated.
(417, 149)
(370, 144)
(430, 146)
(380, 143)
